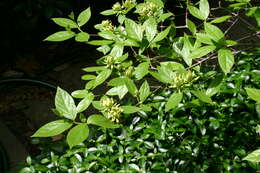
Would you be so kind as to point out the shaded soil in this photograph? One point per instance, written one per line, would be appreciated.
(15, 103)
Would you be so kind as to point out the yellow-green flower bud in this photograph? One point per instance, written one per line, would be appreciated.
(110, 61)
(128, 3)
(107, 102)
(117, 6)
(107, 25)
(129, 71)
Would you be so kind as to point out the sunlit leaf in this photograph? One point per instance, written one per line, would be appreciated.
(60, 36)
(196, 12)
(101, 77)
(204, 8)
(130, 109)
(220, 19)
(150, 27)
(77, 134)
(84, 103)
(133, 30)
(225, 59)
(202, 96)
(173, 101)
(102, 121)
(64, 22)
(202, 51)
(82, 37)
(65, 104)
(120, 91)
(144, 91)
(253, 93)
(214, 32)
(141, 70)
(84, 17)
(53, 128)
(160, 36)
(253, 157)
(130, 86)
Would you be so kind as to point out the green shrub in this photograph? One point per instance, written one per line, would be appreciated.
(168, 106)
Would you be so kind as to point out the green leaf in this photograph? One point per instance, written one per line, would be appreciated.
(173, 101)
(122, 58)
(159, 3)
(204, 38)
(174, 66)
(82, 37)
(84, 103)
(141, 70)
(204, 8)
(64, 22)
(133, 30)
(97, 105)
(253, 157)
(102, 77)
(94, 69)
(253, 93)
(231, 42)
(162, 35)
(109, 35)
(119, 81)
(144, 91)
(214, 86)
(191, 26)
(53, 128)
(104, 49)
(84, 17)
(150, 27)
(202, 51)
(65, 104)
(225, 59)
(160, 77)
(108, 12)
(135, 167)
(120, 91)
(90, 84)
(220, 19)
(202, 96)
(79, 94)
(102, 121)
(100, 42)
(130, 86)
(196, 12)
(131, 42)
(77, 134)
(60, 36)
(146, 108)
(214, 32)
(117, 50)
(165, 16)
(130, 109)
(88, 77)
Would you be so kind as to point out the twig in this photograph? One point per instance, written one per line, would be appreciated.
(201, 61)
(248, 36)
(231, 26)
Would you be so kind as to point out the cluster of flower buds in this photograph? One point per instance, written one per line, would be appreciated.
(106, 25)
(111, 109)
(184, 79)
(147, 9)
(110, 61)
(129, 71)
(117, 7)
(126, 4)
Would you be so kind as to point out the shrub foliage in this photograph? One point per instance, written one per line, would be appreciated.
(177, 99)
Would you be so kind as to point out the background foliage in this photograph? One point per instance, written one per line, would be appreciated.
(175, 100)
